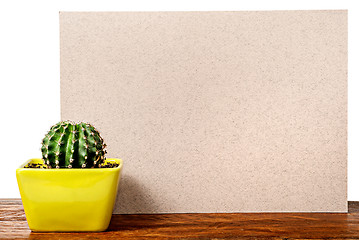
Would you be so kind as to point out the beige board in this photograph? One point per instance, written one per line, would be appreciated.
(214, 111)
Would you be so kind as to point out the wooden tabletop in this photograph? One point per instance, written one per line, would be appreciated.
(198, 226)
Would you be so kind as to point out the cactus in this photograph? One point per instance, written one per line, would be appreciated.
(73, 145)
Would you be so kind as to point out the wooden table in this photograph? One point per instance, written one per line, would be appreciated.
(198, 226)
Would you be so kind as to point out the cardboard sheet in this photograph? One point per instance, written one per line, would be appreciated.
(214, 111)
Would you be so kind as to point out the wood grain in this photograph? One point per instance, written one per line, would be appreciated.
(198, 226)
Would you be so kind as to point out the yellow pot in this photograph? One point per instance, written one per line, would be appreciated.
(68, 200)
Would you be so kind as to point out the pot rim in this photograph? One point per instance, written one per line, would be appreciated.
(37, 160)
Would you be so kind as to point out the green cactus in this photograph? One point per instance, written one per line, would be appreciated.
(73, 145)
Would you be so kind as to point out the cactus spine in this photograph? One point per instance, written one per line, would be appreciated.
(73, 145)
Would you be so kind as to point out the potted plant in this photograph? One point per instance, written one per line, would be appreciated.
(73, 187)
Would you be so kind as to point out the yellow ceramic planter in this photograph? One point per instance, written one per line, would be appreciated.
(68, 200)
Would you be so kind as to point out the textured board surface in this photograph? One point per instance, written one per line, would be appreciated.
(214, 111)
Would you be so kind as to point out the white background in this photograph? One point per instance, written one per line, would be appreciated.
(30, 75)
